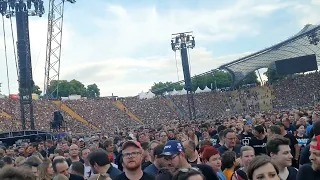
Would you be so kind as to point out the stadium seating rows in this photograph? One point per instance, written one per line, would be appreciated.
(298, 91)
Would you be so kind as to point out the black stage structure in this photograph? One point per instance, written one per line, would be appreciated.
(17, 137)
(22, 10)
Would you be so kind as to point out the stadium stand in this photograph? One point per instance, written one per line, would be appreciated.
(124, 109)
(102, 113)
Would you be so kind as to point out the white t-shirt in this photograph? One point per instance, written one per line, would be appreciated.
(87, 171)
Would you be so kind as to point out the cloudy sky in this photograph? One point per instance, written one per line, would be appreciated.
(124, 46)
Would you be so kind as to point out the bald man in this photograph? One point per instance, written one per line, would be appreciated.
(74, 155)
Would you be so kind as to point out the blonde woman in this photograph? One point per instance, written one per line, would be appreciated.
(19, 161)
(45, 171)
(100, 177)
(60, 177)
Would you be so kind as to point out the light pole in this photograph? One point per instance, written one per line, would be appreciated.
(184, 41)
(22, 9)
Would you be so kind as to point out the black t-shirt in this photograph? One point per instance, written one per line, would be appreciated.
(145, 164)
(304, 155)
(258, 145)
(236, 149)
(44, 153)
(75, 177)
(307, 173)
(145, 176)
(302, 141)
(70, 162)
(51, 150)
(217, 146)
(207, 171)
(293, 142)
(245, 138)
(215, 139)
(292, 173)
(291, 129)
(240, 175)
(192, 162)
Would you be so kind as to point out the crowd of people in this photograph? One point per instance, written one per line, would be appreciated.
(276, 145)
(299, 91)
(261, 132)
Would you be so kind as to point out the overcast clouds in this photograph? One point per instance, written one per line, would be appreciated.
(124, 48)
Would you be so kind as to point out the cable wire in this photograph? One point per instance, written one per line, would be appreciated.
(14, 48)
(5, 53)
(175, 57)
(35, 66)
(189, 60)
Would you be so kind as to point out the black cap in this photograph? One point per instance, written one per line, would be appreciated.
(158, 150)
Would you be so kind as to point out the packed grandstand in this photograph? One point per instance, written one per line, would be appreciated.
(103, 113)
(267, 131)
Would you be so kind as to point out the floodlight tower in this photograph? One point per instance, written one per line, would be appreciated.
(53, 49)
(184, 41)
(22, 9)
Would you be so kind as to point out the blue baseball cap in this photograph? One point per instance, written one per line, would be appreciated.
(172, 147)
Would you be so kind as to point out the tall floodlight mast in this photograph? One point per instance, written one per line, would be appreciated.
(22, 9)
(184, 41)
(53, 49)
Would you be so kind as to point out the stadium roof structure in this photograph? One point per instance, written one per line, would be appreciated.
(306, 42)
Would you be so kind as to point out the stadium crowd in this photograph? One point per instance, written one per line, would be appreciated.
(300, 91)
(262, 132)
(258, 146)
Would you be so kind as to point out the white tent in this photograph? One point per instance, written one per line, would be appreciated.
(206, 89)
(182, 92)
(174, 92)
(142, 95)
(150, 95)
(198, 90)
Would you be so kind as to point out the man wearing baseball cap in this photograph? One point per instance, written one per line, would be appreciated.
(174, 154)
(132, 160)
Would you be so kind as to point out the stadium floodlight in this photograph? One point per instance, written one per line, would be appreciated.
(9, 8)
(182, 38)
(183, 42)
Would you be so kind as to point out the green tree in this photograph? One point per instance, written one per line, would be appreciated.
(160, 87)
(273, 75)
(76, 87)
(65, 88)
(217, 78)
(61, 86)
(211, 80)
(249, 79)
(93, 91)
(36, 90)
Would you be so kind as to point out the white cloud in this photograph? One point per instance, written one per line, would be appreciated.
(315, 2)
(307, 13)
(125, 50)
